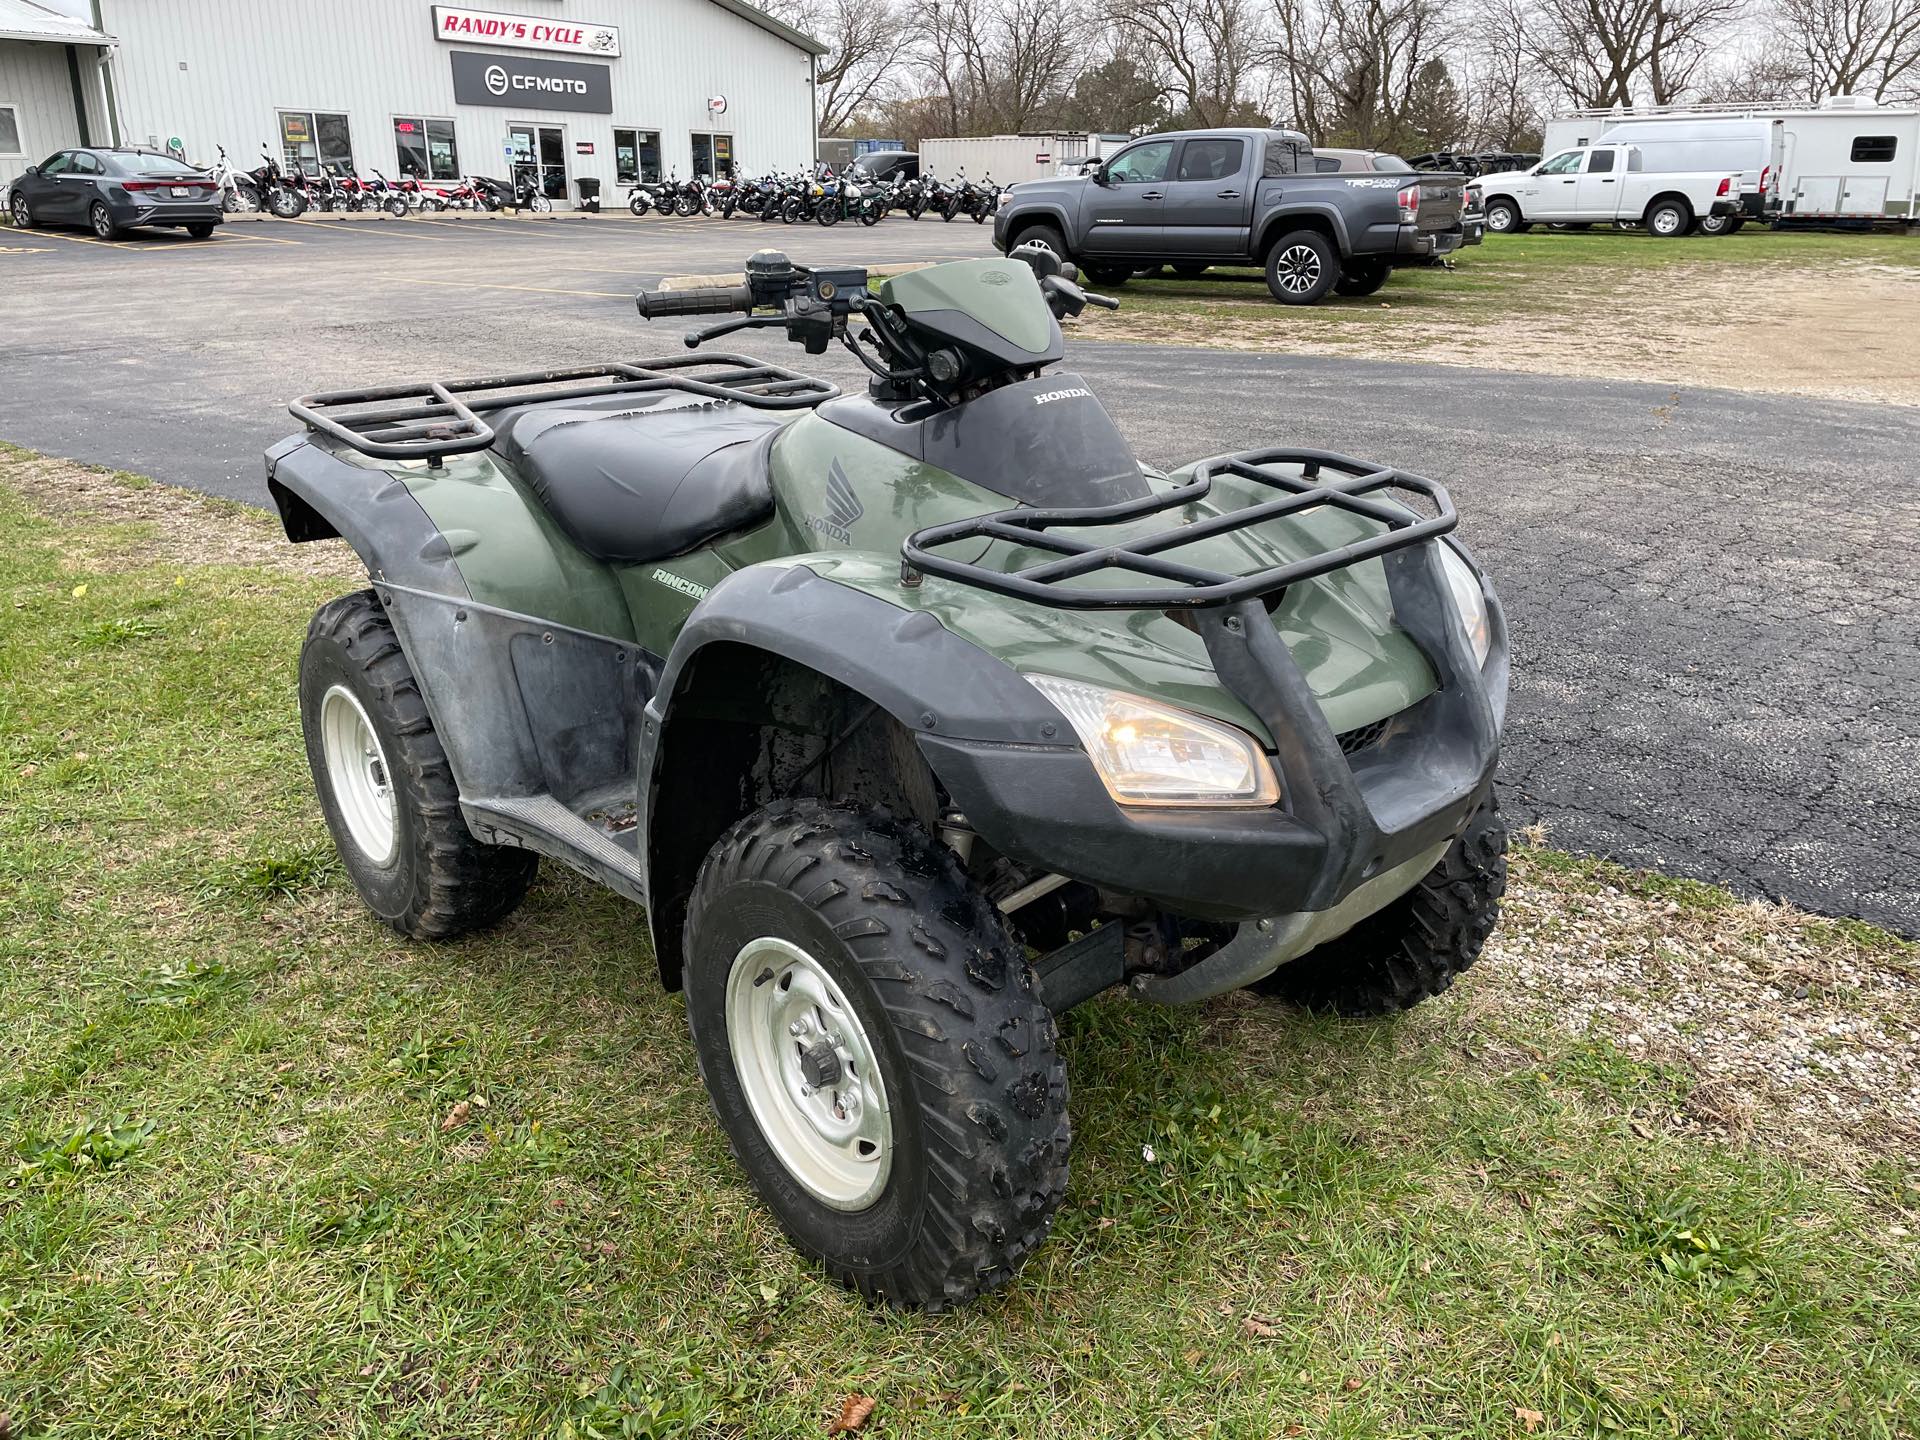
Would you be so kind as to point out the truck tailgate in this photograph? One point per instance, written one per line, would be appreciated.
(1442, 197)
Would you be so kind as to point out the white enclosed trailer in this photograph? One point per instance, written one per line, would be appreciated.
(1845, 159)
(1007, 158)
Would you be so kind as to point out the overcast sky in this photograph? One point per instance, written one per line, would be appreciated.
(79, 9)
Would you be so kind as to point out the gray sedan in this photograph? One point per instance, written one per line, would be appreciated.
(109, 191)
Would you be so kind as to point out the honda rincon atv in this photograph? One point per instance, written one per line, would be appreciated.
(913, 718)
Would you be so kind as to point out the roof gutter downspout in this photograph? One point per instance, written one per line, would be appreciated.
(108, 99)
(79, 94)
(813, 110)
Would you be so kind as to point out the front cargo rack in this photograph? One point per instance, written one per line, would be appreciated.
(431, 419)
(1187, 586)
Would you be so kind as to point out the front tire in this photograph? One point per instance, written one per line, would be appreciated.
(22, 212)
(839, 959)
(1414, 948)
(385, 785)
(1302, 268)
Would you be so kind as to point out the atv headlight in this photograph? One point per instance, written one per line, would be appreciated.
(1470, 600)
(1153, 754)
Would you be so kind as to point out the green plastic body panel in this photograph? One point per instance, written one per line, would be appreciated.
(510, 552)
(1340, 629)
(1002, 295)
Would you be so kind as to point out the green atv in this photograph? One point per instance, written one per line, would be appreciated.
(913, 718)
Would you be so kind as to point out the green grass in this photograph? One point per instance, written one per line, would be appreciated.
(231, 1207)
(1544, 272)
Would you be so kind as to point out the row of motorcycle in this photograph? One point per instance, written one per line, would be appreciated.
(291, 193)
(824, 199)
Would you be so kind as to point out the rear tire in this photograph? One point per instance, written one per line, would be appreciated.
(1714, 225)
(1668, 219)
(100, 221)
(1415, 947)
(929, 1009)
(1363, 277)
(385, 786)
(201, 231)
(1302, 268)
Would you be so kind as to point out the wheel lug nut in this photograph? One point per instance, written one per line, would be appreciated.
(796, 1029)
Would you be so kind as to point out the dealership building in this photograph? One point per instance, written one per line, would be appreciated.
(614, 90)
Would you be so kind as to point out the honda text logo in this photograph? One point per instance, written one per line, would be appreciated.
(1078, 392)
(525, 82)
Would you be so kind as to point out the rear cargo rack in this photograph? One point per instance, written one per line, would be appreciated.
(1185, 586)
(431, 419)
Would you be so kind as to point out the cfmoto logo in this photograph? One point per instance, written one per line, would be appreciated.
(496, 80)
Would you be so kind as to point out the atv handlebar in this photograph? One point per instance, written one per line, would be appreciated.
(699, 300)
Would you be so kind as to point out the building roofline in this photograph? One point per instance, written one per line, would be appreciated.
(799, 39)
(26, 20)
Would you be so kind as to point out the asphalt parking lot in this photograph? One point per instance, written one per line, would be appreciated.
(1717, 636)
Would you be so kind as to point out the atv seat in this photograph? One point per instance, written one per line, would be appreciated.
(642, 482)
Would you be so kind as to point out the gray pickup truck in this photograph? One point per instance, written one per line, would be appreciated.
(1198, 198)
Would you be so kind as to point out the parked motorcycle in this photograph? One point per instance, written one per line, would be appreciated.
(279, 194)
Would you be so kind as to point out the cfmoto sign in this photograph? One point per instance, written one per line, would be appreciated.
(525, 83)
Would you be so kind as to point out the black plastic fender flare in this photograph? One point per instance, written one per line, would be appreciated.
(1283, 218)
(1042, 214)
(938, 685)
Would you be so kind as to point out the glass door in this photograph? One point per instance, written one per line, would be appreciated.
(540, 151)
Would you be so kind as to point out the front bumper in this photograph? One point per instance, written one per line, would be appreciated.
(1344, 820)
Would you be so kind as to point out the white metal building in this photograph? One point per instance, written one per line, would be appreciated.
(612, 89)
(52, 86)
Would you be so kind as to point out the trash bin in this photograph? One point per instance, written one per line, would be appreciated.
(589, 189)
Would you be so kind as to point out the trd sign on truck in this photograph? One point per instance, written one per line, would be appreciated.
(521, 82)
(525, 32)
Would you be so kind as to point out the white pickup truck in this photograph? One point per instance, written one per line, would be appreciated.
(1605, 183)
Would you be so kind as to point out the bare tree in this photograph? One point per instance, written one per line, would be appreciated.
(1358, 70)
(997, 64)
(1201, 51)
(1503, 84)
(1855, 46)
(1601, 53)
(869, 37)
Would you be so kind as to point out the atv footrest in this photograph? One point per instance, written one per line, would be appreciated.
(431, 419)
(1351, 486)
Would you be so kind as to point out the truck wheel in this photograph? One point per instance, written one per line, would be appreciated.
(1109, 276)
(1414, 948)
(1302, 268)
(385, 785)
(1047, 237)
(1714, 225)
(1503, 218)
(1363, 277)
(1668, 218)
(869, 1033)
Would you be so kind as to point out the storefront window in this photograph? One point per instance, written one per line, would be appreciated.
(10, 131)
(426, 149)
(712, 154)
(310, 139)
(636, 156)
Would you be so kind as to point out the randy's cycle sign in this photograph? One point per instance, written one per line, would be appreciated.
(525, 32)
(524, 83)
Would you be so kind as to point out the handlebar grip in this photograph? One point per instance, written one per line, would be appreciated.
(699, 300)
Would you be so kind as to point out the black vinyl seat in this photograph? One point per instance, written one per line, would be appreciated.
(642, 482)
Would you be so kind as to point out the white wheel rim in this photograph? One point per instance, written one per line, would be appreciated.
(357, 769)
(1666, 221)
(810, 1074)
(1299, 269)
(1499, 218)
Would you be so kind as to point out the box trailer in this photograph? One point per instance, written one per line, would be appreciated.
(1007, 158)
(1846, 159)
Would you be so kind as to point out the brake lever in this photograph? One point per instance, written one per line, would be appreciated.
(694, 339)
